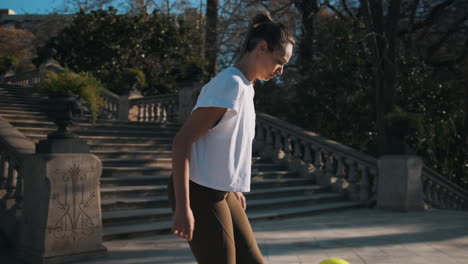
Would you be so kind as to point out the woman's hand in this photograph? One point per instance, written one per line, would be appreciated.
(183, 223)
(240, 196)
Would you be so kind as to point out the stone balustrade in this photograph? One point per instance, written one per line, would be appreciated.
(326, 161)
(441, 193)
(14, 149)
(25, 78)
(162, 108)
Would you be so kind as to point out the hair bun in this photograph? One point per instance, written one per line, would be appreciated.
(260, 18)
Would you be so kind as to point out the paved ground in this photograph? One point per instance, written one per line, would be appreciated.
(358, 236)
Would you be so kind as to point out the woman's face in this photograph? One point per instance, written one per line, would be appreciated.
(270, 63)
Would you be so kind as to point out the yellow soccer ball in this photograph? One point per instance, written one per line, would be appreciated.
(334, 261)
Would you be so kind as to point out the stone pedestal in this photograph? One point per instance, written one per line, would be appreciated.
(399, 183)
(62, 213)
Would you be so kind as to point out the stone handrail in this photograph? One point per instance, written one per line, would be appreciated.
(14, 147)
(25, 78)
(160, 108)
(327, 161)
(439, 192)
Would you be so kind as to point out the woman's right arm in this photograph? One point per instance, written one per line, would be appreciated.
(198, 124)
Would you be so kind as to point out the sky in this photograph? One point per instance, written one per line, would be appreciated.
(38, 6)
(30, 6)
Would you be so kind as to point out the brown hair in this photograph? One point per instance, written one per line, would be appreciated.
(262, 27)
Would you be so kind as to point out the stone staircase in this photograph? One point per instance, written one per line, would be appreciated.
(136, 159)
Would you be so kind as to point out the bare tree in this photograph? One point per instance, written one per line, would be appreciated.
(211, 35)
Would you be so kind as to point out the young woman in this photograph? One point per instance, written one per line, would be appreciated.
(212, 152)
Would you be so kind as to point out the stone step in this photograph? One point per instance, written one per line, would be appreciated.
(136, 171)
(102, 154)
(22, 94)
(109, 192)
(136, 162)
(24, 108)
(11, 117)
(256, 198)
(254, 205)
(118, 147)
(109, 139)
(139, 230)
(7, 99)
(157, 133)
(263, 169)
(10, 112)
(145, 180)
(165, 226)
(153, 185)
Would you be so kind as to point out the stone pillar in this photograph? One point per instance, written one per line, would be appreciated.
(399, 183)
(187, 100)
(131, 113)
(124, 108)
(62, 214)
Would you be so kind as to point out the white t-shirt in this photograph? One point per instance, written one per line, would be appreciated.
(221, 159)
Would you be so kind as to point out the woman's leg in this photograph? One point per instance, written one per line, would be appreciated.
(213, 237)
(247, 251)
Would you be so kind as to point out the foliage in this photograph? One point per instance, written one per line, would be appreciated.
(106, 43)
(85, 85)
(128, 79)
(16, 49)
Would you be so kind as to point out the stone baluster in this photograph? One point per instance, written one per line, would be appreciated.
(172, 110)
(373, 177)
(9, 180)
(154, 108)
(259, 141)
(427, 186)
(338, 180)
(329, 168)
(353, 187)
(139, 112)
(307, 167)
(319, 174)
(19, 188)
(267, 149)
(160, 112)
(297, 162)
(164, 112)
(150, 112)
(278, 153)
(3, 173)
(287, 147)
(364, 185)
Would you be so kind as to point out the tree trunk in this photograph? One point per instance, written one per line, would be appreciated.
(307, 8)
(211, 44)
(383, 44)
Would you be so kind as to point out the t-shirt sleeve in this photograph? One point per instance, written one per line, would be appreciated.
(220, 94)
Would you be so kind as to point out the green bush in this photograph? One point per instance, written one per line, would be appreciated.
(85, 85)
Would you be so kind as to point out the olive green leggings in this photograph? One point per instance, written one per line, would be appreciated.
(222, 234)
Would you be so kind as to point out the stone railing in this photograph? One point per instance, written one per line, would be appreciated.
(25, 78)
(327, 161)
(162, 108)
(439, 192)
(14, 148)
